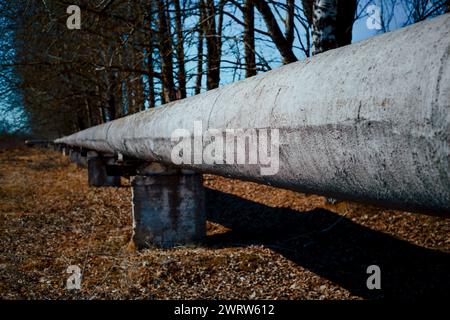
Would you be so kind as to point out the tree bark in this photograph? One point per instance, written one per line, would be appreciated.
(150, 62)
(180, 50)
(249, 39)
(331, 22)
(274, 29)
(289, 24)
(212, 45)
(165, 51)
(199, 78)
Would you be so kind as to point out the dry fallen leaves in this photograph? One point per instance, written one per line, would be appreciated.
(262, 243)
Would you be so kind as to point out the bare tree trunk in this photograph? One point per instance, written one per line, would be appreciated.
(129, 95)
(212, 44)
(138, 81)
(86, 109)
(180, 50)
(150, 62)
(324, 25)
(345, 18)
(110, 107)
(249, 39)
(198, 81)
(289, 24)
(165, 51)
(151, 81)
(126, 57)
(275, 32)
(331, 21)
(139, 94)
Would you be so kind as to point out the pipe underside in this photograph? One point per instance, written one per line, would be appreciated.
(368, 122)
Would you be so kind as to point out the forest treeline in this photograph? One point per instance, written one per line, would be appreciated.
(133, 55)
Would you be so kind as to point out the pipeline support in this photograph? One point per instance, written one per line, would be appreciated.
(97, 171)
(167, 207)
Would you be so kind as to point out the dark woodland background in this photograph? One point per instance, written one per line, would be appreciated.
(134, 55)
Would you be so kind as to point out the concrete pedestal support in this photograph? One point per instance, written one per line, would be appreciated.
(76, 157)
(82, 161)
(168, 208)
(73, 156)
(97, 175)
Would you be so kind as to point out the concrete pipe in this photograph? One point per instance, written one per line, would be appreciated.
(369, 122)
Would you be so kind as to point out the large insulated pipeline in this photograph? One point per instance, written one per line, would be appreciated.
(369, 121)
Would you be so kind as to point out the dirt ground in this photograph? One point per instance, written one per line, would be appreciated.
(262, 242)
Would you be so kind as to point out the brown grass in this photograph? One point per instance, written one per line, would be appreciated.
(263, 242)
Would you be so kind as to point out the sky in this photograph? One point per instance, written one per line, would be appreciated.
(360, 29)
(11, 112)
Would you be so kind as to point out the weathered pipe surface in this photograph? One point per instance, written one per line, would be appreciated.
(369, 121)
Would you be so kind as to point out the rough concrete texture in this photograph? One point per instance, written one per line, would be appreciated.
(76, 157)
(168, 209)
(369, 121)
(82, 161)
(73, 156)
(97, 175)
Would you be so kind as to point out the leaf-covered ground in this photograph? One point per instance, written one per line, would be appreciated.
(262, 242)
